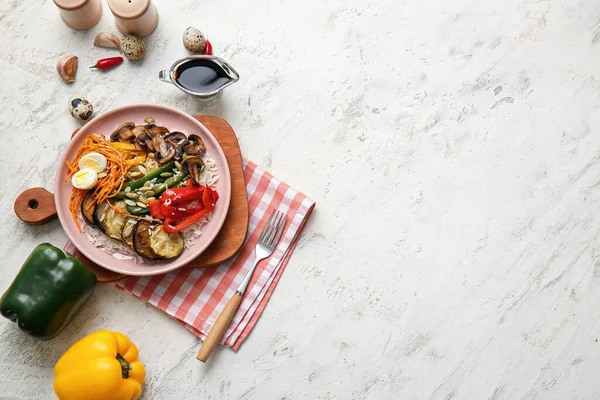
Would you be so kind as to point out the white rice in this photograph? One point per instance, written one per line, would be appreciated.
(121, 251)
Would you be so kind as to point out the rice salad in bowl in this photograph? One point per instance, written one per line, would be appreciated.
(144, 192)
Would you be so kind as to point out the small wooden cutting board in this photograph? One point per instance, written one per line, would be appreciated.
(226, 245)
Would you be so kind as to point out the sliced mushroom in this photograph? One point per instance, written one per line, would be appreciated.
(154, 130)
(142, 139)
(194, 166)
(157, 141)
(195, 147)
(176, 137)
(149, 129)
(179, 140)
(138, 129)
(124, 133)
(165, 150)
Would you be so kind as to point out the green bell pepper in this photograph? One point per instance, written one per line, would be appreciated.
(47, 293)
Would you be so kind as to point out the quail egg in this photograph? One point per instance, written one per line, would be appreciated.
(81, 108)
(133, 47)
(193, 40)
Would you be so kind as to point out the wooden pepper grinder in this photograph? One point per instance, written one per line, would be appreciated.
(80, 14)
(134, 17)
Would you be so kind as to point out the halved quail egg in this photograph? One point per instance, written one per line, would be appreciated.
(93, 160)
(84, 179)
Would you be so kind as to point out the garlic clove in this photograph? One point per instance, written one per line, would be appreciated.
(67, 68)
(107, 39)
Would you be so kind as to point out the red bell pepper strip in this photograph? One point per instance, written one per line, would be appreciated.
(154, 207)
(207, 201)
(178, 213)
(185, 223)
(180, 196)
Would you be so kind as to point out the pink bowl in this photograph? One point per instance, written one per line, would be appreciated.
(105, 124)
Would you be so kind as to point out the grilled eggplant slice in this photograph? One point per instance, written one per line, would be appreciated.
(113, 222)
(88, 214)
(127, 233)
(100, 214)
(152, 242)
(141, 240)
(166, 245)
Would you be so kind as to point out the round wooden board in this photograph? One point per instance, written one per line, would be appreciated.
(231, 237)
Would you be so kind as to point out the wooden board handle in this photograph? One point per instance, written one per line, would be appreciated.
(219, 328)
(35, 206)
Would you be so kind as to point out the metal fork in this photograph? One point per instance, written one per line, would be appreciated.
(268, 240)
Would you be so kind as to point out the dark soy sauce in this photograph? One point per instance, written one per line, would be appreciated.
(201, 76)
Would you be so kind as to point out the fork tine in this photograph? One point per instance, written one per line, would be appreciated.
(266, 228)
(276, 222)
(269, 235)
(279, 231)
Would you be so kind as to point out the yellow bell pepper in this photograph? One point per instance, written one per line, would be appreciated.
(137, 160)
(140, 156)
(123, 146)
(102, 366)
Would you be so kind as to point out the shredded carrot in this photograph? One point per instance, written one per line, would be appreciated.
(117, 164)
(77, 196)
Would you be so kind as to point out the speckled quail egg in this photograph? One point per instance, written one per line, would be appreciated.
(193, 40)
(133, 47)
(80, 108)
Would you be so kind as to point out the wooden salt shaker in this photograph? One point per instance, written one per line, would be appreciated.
(134, 17)
(80, 14)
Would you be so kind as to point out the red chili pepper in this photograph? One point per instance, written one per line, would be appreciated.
(108, 63)
(207, 201)
(208, 50)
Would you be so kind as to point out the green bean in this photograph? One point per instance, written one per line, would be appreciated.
(136, 210)
(148, 177)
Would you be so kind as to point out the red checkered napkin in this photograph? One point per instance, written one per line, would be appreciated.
(196, 296)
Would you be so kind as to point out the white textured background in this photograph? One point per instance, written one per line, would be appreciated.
(453, 150)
